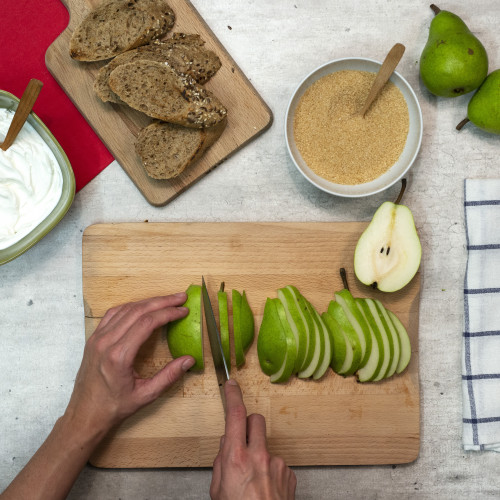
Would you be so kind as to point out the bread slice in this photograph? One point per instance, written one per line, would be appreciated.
(184, 53)
(118, 26)
(166, 149)
(160, 92)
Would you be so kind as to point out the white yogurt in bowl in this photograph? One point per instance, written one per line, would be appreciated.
(31, 182)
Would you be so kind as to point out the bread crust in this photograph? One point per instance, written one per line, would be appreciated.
(118, 26)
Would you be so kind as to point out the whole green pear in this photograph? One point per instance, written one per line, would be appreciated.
(453, 62)
(484, 107)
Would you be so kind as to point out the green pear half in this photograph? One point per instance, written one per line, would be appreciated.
(184, 336)
(358, 322)
(243, 326)
(388, 252)
(276, 348)
(297, 323)
(336, 311)
(319, 347)
(376, 358)
(405, 356)
(224, 326)
(387, 322)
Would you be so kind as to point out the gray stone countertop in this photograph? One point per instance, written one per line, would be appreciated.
(276, 44)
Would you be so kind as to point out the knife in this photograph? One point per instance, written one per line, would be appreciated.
(215, 344)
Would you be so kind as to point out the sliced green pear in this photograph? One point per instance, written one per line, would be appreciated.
(288, 366)
(276, 348)
(224, 325)
(319, 346)
(337, 312)
(404, 359)
(309, 324)
(387, 340)
(339, 344)
(184, 336)
(395, 338)
(243, 326)
(297, 323)
(326, 357)
(374, 363)
(388, 252)
(346, 300)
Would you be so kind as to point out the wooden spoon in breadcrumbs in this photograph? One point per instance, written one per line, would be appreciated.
(384, 73)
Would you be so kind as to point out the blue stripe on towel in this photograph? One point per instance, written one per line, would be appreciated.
(475, 421)
(483, 247)
(481, 203)
(482, 334)
(483, 376)
(476, 291)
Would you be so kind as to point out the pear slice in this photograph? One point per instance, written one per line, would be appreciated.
(386, 339)
(184, 336)
(224, 325)
(388, 253)
(276, 348)
(327, 348)
(319, 347)
(395, 338)
(243, 326)
(404, 359)
(309, 324)
(296, 322)
(288, 365)
(374, 363)
(346, 300)
(339, 344)
(342, 353)
(337, 312)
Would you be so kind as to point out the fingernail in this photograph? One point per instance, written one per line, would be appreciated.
(180, 294)
(183, 309)
(188, 363)
(231, 381)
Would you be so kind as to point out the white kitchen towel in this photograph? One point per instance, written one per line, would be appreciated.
(481, 335)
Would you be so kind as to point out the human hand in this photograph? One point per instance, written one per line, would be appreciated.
(107, 388)
(244, 467)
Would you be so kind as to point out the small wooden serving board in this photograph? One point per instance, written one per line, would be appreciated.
(333, 421)
(119, 125)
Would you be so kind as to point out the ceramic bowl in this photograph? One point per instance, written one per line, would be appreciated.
(10, 102)
(405, 161)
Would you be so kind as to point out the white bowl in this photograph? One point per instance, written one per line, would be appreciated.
(410, 151)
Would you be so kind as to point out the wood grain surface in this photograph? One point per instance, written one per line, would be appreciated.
(118, 125)
(333, 421)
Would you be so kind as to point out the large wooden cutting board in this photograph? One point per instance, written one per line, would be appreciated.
(327, 422)
(118, 125)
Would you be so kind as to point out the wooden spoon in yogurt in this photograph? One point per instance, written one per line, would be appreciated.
(384, 73)
(24, 108)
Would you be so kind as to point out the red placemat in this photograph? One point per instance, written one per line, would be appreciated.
(28, 28)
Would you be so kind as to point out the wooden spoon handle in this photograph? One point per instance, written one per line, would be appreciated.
(24, 108)
(388, 66)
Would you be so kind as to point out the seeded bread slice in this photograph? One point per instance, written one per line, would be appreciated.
(185, 54)
(118, 26)
(160, 92)
(166, 149)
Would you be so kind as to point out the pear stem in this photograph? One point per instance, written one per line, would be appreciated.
(462, 123)
(222, 285)
(343, 275)
(400, 196)
(435, 8)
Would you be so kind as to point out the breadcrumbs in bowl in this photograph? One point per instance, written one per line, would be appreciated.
(336, 148)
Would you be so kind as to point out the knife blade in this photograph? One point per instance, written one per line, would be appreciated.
(215, 344)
